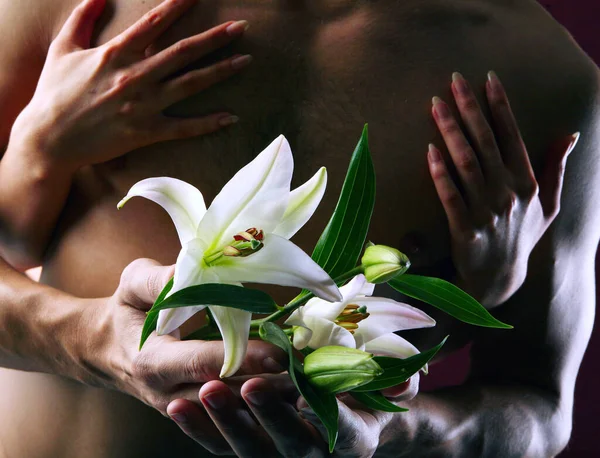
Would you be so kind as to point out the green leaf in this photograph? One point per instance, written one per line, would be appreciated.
(152, 319)
(251, 300)
(324, 405)
(396, 370)
(342, 241)
(448, 298)
(376, 401)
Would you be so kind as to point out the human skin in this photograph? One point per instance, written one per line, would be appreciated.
(325, 116)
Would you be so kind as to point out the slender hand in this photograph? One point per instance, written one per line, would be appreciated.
(497, 210)
(94, 104)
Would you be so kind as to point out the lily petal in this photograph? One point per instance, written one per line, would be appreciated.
(188, 268)
(182, 201)
(304, 200)
(358, 286)
(387, 315)
(323, 309)
(256, 196)
(279, 262)
(188, 272)
(325, 332)
(234, 325)
(301, 337)
(170, 319)
(391, 345)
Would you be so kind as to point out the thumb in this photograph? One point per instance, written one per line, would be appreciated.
(551, 182)
(78, 29)
(142, 281)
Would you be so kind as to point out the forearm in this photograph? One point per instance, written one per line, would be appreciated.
(41, 328)
(481, 421)
(32, 195)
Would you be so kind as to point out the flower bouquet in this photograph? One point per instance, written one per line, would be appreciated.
(345, 336)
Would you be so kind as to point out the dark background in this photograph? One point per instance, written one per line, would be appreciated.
(582, 19)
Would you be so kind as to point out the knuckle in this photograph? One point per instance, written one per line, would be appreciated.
(470, 105)
(109, 52)
(452, 199)
(450, 128)
(154, 285)
(509, 202)
(152, 18)
(466, 160)
(197, 369)
(144, 371)
(182, 47)
(123, 81)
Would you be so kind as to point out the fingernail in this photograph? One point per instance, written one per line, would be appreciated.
(257, 398)
(434, 153)
(440, 107)
(495, 83)
(271, 366)
(241, 61)
(237, 27)
(179, 417)
(574, 142)
(228, 120)
(215, 400)
(460, 83)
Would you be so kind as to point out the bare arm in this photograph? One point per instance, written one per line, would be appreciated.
(92, 105)
(518, 400)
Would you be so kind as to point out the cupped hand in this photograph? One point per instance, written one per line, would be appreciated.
(497, 210)
(165, 368)
(94, 104)
(263, 421)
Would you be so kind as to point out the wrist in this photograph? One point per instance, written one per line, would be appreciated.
(31, 144)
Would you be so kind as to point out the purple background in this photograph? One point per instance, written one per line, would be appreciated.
(582, 19)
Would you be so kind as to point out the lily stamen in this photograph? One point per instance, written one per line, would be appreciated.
(351, 316)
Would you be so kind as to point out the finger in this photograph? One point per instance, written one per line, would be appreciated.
(196, 361)
(197, 80)
(177, 128)
(234, 421)
(191, 49)
(479, 130)
(282, 383)
(512, 146)
(450, 197)
(551, 182)
(462, 154)
(142, 281)
(278, 418)
(79, 27)
(196, 424)
(152, 25)
(358, 431)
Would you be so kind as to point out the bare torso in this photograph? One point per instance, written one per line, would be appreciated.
(322, 69)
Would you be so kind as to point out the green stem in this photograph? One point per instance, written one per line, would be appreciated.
(302, 299)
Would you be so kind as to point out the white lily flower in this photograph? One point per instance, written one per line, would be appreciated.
(242, 237)
(358, 321)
